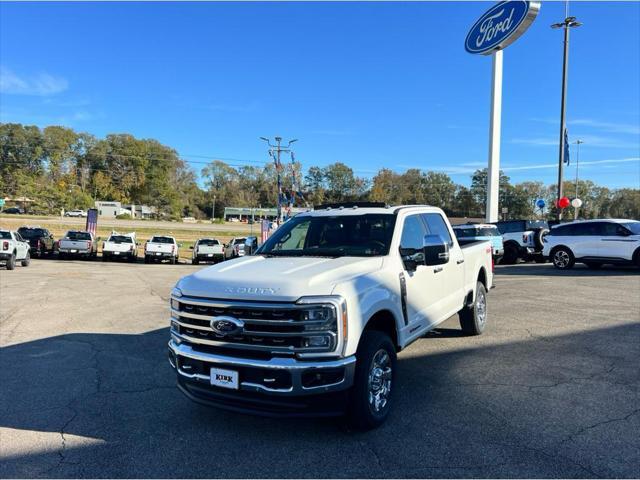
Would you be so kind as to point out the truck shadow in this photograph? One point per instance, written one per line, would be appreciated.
(105, 405)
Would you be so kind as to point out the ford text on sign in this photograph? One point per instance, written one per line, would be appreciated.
(500, 26)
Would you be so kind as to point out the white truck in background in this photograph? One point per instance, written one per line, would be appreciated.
(207, 250)
(312, 322)
(120, 245)
(161, 247)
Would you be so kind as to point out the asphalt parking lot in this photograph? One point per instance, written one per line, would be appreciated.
(550, 390)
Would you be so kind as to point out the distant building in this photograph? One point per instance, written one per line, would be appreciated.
(109, 209)
(246, 213)
(140, 211)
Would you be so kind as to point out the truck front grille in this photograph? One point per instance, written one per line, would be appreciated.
(277, 328)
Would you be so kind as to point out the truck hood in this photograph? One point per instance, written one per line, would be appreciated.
(275, 279)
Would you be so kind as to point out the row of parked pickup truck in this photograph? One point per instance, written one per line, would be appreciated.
(35, 241)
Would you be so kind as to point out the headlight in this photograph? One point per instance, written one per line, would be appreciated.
(176, 292)
(326, 315)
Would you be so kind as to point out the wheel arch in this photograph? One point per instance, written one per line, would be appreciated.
(384, 321)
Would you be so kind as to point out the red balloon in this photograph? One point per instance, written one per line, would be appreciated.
(564, 202)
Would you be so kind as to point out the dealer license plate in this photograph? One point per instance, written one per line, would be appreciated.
(224, 378)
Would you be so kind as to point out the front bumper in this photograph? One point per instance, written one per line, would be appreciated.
(276, 387)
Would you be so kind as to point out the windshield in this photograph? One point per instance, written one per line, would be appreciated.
(120, 239)
(162, 240)
(31, 232)
(208, 242)
(5, 235)
(78, 236)
(633, 226)
(324, 236)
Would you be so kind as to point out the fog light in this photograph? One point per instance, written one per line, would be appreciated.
(317, 341)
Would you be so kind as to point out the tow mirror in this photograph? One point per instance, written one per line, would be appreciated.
(435, 250)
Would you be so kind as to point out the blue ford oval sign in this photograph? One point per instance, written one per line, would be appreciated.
(500, 26)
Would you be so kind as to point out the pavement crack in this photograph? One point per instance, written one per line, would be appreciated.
(598, 424)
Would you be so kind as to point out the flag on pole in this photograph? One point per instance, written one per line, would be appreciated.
(92, 221)
(566, 146)
(265, 230)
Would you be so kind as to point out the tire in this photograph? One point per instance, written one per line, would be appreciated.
(146, 259)
(11, 262)
(473, 318)
(562, 258)
(510, 255)
(538, 238)
(26, 261)
(194, 261)
(593, 265)
(636, 258)
(174, 260)
(372, 392)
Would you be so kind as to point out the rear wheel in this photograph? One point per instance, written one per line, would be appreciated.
(473, 318)
(371, 396)
(510, 254)
(562, 258)
(26, 261)
(11, 262)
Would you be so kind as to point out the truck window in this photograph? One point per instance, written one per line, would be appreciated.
(120, 239)
(207, 242)
(344, 235)
(161, 240)
(413, 232)
(78, 236)
(437, 226)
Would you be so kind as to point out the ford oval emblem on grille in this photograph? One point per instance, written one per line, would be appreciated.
(226, 325)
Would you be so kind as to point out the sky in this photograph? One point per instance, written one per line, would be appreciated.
(372, 85)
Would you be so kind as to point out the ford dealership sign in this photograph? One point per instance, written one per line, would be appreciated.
(500, 26)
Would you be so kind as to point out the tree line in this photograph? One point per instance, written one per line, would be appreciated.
(58, 168)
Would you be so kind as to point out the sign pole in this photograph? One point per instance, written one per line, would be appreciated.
(493, 172)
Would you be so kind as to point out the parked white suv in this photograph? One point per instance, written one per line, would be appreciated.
(75, 213)
(594, 243)
(13, 248)
(311, 323)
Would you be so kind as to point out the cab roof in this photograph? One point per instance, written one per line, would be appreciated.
(332, 211)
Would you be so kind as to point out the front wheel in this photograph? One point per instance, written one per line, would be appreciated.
(371, 397)
(26, 261)
(473, 318)
(563, 258)
(510, 255)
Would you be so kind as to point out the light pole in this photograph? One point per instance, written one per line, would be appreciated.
(569, 22)
(578, 143)
(275, 151)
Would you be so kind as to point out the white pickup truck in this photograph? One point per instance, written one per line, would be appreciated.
(13, 248)
(120, 245)
(207, 250)
(311, 324)
(78, 244)
(160, 248)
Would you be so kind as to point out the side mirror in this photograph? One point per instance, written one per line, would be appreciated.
(191, 247)
(623, 232)
(435, 250)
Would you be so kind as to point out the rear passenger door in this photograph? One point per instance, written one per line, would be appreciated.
(449, 276)
(585, 241)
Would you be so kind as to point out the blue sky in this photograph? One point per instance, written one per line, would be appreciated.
(369, 84)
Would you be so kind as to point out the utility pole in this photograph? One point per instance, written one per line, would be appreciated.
(569, 22)
(275, 150)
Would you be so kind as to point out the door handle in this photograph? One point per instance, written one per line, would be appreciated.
(437, 269)
(458, 262)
